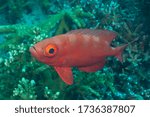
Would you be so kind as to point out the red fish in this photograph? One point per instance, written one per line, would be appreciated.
(85, 49)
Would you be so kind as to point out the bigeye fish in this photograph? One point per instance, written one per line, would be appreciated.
(85, 49)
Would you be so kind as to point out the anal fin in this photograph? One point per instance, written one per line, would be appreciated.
(65, 74)
(93, 68)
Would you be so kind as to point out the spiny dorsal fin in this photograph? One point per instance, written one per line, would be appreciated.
(102, 34)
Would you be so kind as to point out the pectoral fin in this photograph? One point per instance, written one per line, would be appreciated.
(93, 68)
(65, 74)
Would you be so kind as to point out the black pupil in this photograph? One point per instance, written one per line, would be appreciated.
(51, 51)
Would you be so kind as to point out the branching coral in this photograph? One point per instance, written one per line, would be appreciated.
(49, 94)
(92, 86)
(25, 89)
(12, 7)
(59, 22)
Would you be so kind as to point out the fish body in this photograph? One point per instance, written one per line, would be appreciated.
(82, 48)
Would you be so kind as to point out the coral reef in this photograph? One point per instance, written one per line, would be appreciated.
(24, 23)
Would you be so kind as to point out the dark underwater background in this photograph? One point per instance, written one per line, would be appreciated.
(25, 22)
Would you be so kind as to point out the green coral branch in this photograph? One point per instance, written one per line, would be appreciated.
(7, 29)
(58, 21)
(90, 90)
(25, 89)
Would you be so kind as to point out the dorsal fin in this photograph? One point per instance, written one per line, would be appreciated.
(102, 34)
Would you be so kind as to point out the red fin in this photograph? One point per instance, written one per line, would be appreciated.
(119, 51)
(102, 34)
(65, 74)
(93, 68)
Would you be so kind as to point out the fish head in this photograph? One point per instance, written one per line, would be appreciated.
(45, 51)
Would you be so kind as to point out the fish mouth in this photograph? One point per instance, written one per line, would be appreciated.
(33, 51)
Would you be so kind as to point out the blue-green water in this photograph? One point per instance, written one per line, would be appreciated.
(26, 22)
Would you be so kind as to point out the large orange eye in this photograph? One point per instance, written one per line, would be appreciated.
(50, 50)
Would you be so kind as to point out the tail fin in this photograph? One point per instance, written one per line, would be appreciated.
(120, 49)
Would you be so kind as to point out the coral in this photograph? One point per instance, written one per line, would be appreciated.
(92, 86)
(18, 32)
(48, 94)
(25, 89)
(12, 7)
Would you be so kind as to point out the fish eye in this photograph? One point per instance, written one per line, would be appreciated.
(50, 50)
